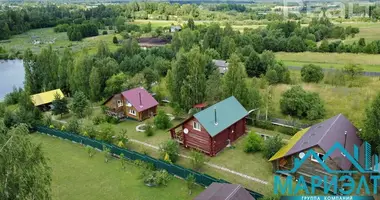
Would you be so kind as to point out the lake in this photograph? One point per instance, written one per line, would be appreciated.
(11, 74)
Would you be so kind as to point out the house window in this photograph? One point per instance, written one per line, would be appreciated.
(132, 112)
(119, 103)
(196, 126)
(320, 157)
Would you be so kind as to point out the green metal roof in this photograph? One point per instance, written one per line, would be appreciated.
(228, 112)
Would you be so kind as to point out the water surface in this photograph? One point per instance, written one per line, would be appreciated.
(11, 74)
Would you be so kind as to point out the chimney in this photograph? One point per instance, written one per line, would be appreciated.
(140, 100)
(216, 120)
(345, 138)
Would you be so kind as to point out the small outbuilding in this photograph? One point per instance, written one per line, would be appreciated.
(214, 128)
(224, 191)
(175, 28)
(222, 65)
(43, 100)
(136, 103)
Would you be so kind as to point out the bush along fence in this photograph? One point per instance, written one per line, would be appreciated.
(201, 179)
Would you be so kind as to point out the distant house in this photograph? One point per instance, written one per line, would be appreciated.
(213, 128)
(319, 137)
(149, 42)
(136, 103)
(43, 100)
(222, 65)
(218, 191)
(175, 28)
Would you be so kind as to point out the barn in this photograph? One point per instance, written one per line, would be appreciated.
(213, 128)
(44, 100)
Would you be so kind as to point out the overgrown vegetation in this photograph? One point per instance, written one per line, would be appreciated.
(271, 146)
(169, 149)
(253, 143)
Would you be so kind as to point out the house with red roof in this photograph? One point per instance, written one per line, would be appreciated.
(320, 138)
(135, 103)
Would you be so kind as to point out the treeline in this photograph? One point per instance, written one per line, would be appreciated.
(229, 7)
(77, 32)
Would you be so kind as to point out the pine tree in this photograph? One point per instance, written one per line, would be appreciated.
(65, 71)
(59, 105)
(48, 62)
(95, 84)
(33, 74)
(80, 104)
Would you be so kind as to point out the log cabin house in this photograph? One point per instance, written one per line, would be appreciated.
(136, 103)
(213, 128)
(319, 137)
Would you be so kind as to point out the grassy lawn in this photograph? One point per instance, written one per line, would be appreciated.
(46, 35)
(76, 176)
(368, 62)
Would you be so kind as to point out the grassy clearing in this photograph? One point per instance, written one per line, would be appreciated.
(351, 102)
(76, 176)
(368, 30)
(47, 35)
(368, 62)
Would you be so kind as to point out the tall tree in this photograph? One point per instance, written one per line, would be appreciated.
(80, 104)
(115, 83)
(82, 70)
(178, 73)
(24, 171)
(371, 130)
(254, 65)
(103, 50)
(191, 24)
(48, 62)
(227, 47)
(33, 73)
(65, 71)
(194, 86)
(212, 37)
(59, 105)
(214, 92)
(95, 85)
(234, 80)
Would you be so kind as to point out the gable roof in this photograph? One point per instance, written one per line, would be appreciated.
(228, 112)
(325, 135)
(45, 97)
(147, 101)
(224, 191)
(222, 65)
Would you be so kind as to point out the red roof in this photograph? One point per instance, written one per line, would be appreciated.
(200, 105)
(133, 97)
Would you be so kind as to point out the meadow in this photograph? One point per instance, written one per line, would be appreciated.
(368, 62)
(76, 176)
(59, 41)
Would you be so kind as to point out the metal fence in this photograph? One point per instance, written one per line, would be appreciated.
(201, 179)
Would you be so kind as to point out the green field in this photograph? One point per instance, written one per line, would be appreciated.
(368, 30)
(368, 62)
(59, 41)
(76, 176)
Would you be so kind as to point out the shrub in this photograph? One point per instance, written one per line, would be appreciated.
(90, 150)
(89, 131)
(149, 131)
(299, 103)
(106, 134)
(198, 159)
(335, 78)
(98, 120)
(264, 125)
(286, 130)
(271, 76)
(156, 178)
(123, 161)
(171, 149)
(73, 126)
(107, 153)
(112, 120)
(271, 146)
(2, 109)
(162, 120)
(353, 71)
(122, 138)
(48, 120)
(13, 97)
(105, 32)
(253, 143)
(115, 40)
(311, 73)
(190, 183)
(10, 119)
